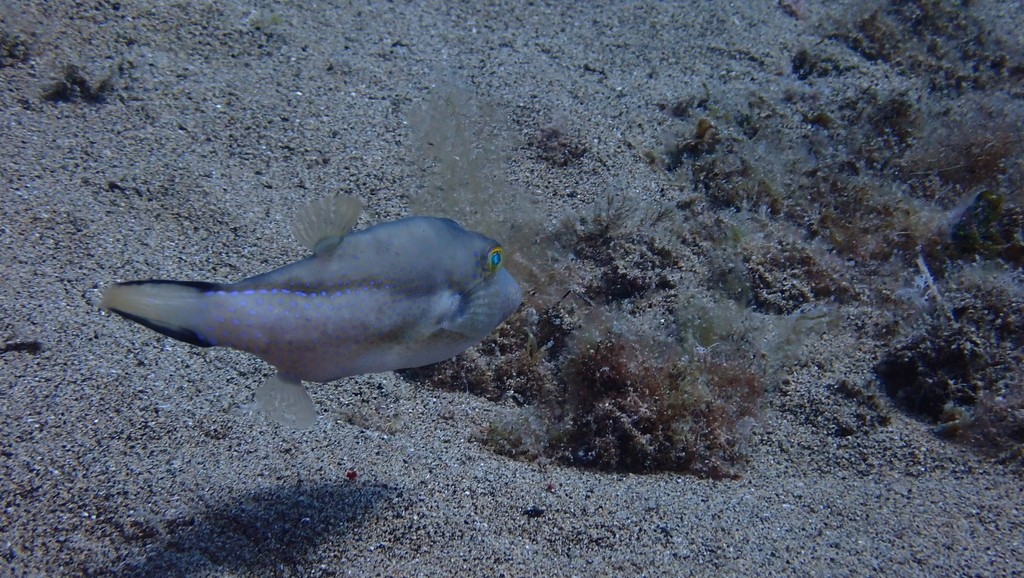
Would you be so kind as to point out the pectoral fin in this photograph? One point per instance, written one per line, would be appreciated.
(285, 400)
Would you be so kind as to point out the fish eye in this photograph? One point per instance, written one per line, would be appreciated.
(494, 259)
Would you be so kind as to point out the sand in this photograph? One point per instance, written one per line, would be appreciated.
(126, 453)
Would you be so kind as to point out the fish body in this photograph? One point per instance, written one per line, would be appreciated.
(400, 294)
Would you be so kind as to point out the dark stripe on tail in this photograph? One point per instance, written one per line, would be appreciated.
(197, 285)
(178, 333)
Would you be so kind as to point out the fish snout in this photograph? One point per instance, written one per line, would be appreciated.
(511, 294)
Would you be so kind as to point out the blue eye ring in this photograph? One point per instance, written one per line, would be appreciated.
(494, 259)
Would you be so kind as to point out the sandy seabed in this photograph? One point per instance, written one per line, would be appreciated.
(180, 147)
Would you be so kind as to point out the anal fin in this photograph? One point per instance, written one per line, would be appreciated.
(285, 400)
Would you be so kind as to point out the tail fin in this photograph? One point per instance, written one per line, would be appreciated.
(170, 307)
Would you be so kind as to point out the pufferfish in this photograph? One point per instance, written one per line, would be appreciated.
(400, 294)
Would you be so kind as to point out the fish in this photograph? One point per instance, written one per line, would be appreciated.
(395, 295)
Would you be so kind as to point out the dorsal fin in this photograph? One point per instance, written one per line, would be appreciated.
(320, 225)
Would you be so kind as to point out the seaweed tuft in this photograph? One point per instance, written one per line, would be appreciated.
(961, 369)
(556, 148)
(73, 85)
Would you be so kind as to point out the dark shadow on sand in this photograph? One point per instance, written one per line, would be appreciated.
(268, 533)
